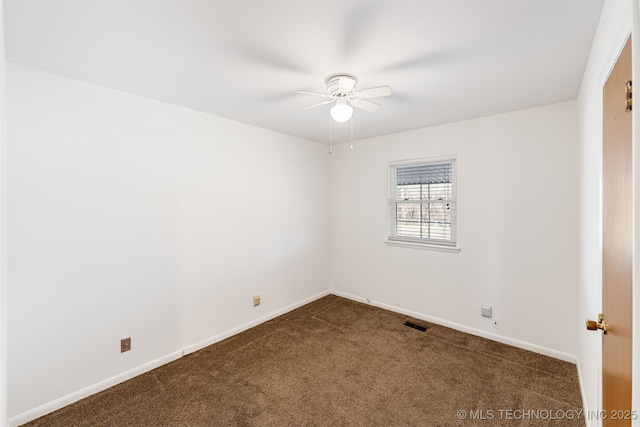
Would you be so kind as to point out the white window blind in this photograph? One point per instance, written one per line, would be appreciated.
(422, 201)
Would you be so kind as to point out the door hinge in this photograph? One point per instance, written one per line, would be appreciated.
(629, 95)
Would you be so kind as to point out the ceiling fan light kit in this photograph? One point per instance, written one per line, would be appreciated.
(342, 111)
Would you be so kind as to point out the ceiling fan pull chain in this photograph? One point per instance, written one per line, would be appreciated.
(330, 135)
(351, 133)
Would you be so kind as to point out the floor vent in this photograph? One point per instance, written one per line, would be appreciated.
(414, 326)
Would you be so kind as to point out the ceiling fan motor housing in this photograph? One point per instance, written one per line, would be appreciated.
(333, 84)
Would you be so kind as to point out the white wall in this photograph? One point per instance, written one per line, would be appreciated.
(517, 204)
(614, 27)
(131, 217)
(3, 283)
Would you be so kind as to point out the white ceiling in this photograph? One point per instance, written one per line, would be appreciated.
(444, 60)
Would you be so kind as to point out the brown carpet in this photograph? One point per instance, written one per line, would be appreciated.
(336, 362)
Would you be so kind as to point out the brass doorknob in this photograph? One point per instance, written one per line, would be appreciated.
(592, 325)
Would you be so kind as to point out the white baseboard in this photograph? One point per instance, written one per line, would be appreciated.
(588, 420)
(56, 404)
(224, 335)
(473, 331)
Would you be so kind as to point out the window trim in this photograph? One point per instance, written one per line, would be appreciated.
(428, 244)
(420, 245)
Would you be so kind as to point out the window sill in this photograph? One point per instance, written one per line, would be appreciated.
(423, 246)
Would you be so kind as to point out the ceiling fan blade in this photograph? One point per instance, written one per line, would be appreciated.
(270, 59)
(374, 92)
(306, 92)
(428, 60)
(356, 26)
(317, 105)
(346, 84)
(365, 105)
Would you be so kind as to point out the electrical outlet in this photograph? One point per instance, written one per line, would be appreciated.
(125, 344)
(256, 300)
(486, 310)
(496, 324)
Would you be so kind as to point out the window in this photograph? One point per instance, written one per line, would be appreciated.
(422, 202)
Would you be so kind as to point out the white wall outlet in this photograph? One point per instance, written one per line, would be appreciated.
(256, 300)
(486, 310)
(496, 324)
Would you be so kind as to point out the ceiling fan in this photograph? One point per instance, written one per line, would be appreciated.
(341, 91)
